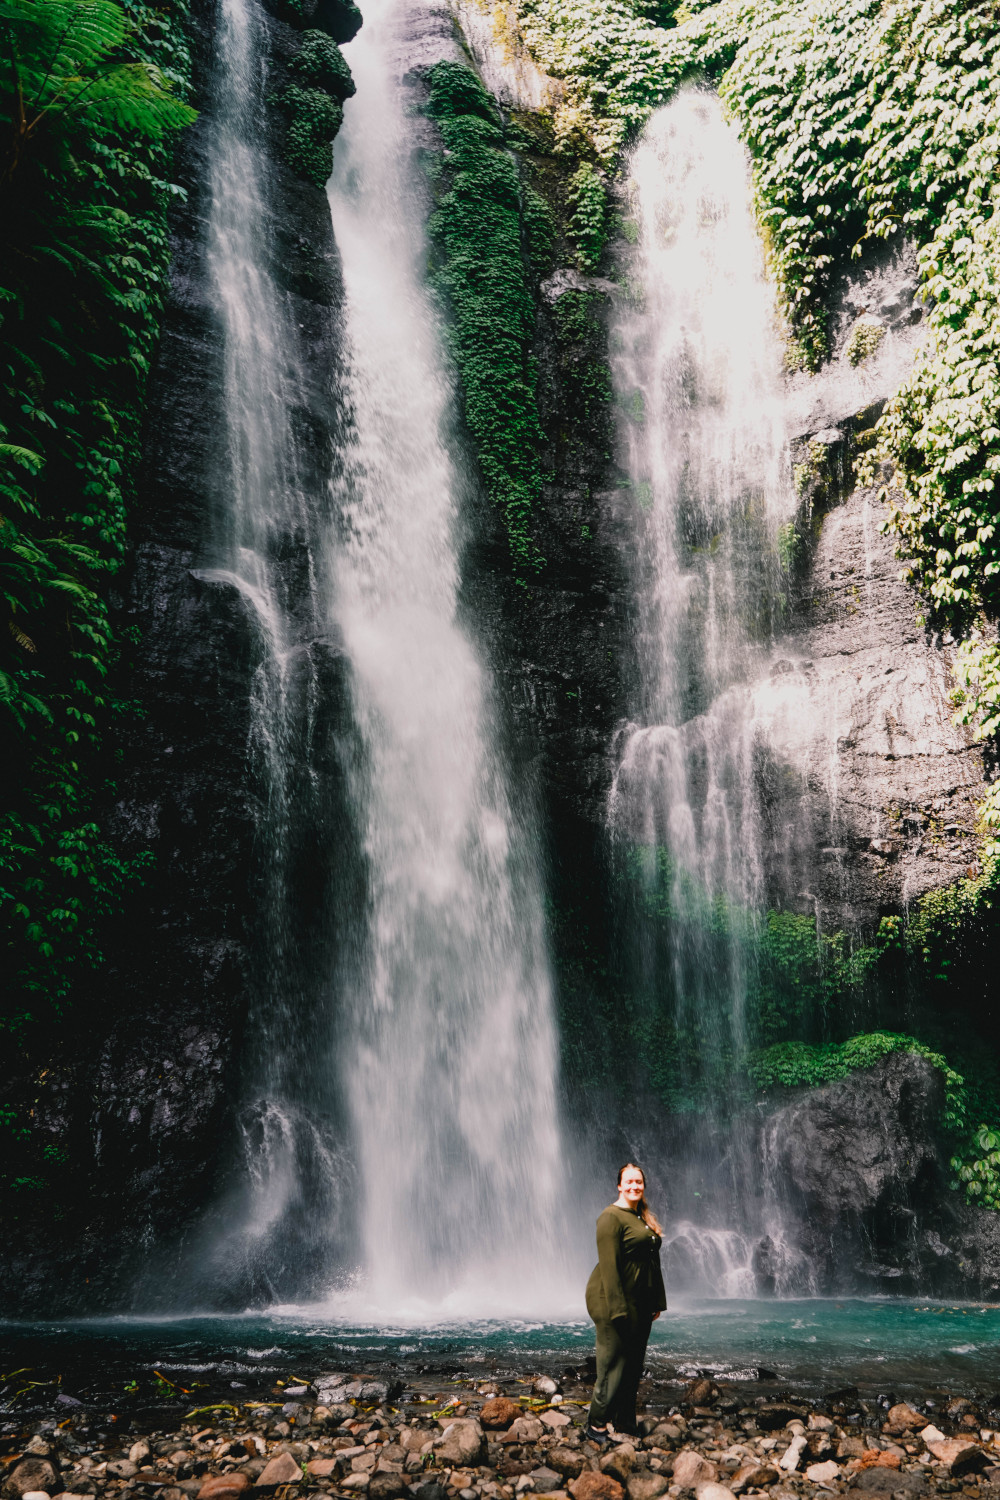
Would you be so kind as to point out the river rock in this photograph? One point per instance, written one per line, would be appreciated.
(775, 1414)
(903, 1419)
(524, 1430)
(753, 1475)
(499, 1412)
(35, 1495)
(823, 1473)
(139, 1451)
(122, 1468)
(321, 1468)
(789, 1460)
(591, 1486)
(570, 1462)
(961, 1456)
(691, 1469)
(701, 1392)
(355, 1483)
(544, 1386)
(32, 1473)
(224, 1486)
(545, 1480)
(282, 1469)
(463, 1442)
(554, 1420)
(386, 1485)
(620, 1462)
(710, 1490)
(646, 1486)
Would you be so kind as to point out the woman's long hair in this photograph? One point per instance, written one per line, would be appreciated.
(646, 1214)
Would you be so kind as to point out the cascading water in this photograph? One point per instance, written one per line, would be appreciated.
(266, 523)
(698, 373)
(447, 1049)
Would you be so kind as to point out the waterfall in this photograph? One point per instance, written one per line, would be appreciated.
(266, 523)
(698, 372)
(447, 1051)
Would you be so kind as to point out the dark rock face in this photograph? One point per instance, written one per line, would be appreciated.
(862, 1175)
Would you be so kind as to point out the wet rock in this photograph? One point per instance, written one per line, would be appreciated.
(139, 1452)
(282, 1469)
(524, 1430)
(544, 1385)
(501, 1411)
(32, 1473)
(646, 1486)
(691, 1469)
(710, 1490)
(463, 1442)
(819, 1444)
(554, 1420)
(224, 1486)
(772, 1415)
(903, 1419)
(432, 1490)
(355, 1483)
(665, 1435)
(122, 1468)
(701, 1392)
(591, 1486)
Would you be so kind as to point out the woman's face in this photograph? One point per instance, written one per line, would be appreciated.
(632, 1186)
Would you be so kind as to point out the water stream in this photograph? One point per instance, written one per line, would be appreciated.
(698, 374)
(447, 1053)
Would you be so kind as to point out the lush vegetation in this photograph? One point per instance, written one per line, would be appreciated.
(486, 282)
(314, 106)
(91, 95)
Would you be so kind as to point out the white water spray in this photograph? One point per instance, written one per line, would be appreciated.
(448, 1053)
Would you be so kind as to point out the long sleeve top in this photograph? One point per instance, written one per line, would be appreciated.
(627, 1281)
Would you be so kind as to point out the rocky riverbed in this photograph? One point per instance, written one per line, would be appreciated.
(440, 1438)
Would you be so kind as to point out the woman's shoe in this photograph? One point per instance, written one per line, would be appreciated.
(598, 1435)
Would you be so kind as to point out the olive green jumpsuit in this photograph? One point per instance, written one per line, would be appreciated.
(624, 1291)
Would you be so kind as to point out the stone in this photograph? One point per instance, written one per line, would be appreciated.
(789, 1460)
(569, 1462)
(701, 1392)
(224, 1486)
(35, 1495)
(554, 1420)
(322, 1468)
(710, 1490)
(499, 1412)
(545, 1386)
(666, 1433)
(355, 1483)
(960, 1456)
(619, 1462)
(429, 1490)
(823, 1473)
(646, 1486)
(139, 1451)
(122, 1468)
(524, 1430)
(31, 1474)
(691, 1469)
(818, 1423)
(545, 1480)
(903, 1419)
(752, 1475)
(463, 1442)
(932, 1434)
(772, 1415)
(591, 1486)
(282, 1469)
(385, 1485)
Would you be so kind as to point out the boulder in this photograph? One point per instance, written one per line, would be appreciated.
(224, 1486)
(646, 1486)
(463, 1442)
(32, 1473)
(591, 1486)
(823, 1473)
(282, 1469)
(903, 1419)
(691, 1469)
(499, 1412)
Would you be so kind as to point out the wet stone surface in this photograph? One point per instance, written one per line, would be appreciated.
(444, 1435)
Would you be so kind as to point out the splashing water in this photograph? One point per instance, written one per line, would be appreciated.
(448, 1054)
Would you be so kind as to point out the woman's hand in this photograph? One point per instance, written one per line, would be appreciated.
(655, 1316)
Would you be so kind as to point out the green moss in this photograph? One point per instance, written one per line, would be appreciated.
(539, 231)
(321, 64)
(314, 118)
(478, 231)
(583, 366)
(588, 200)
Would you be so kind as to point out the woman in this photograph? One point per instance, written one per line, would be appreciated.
(624, 1295)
